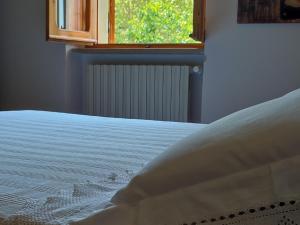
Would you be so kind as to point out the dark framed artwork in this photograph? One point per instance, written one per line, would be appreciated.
(269, 11)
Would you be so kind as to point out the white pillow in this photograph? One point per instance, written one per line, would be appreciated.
(244, 140)
(260, 196)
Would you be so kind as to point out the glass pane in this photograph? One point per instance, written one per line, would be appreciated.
(72, 15)
(154, 21)
(61, 14)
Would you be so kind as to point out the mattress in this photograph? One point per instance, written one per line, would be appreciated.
(58, 168)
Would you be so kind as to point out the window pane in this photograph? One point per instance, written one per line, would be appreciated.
(61, 14)
(154, 21)
(72, 15)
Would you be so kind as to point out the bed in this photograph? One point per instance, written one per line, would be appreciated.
(65, 169)
(57, 168)
(242, 169)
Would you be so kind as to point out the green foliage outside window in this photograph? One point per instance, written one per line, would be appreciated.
(154, 21)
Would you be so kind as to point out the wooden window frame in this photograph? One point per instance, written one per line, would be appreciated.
(85, 37)
(112, 22)
(93, 36)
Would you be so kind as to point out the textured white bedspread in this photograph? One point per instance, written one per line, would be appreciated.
(57, 168)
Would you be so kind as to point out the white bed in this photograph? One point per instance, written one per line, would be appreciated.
(242, 169)
(56, 168)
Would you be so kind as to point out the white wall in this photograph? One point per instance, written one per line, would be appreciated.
(35, 74)
(246, 64)
(32, 70)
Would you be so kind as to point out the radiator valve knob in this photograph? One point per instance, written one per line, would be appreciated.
(196, 69)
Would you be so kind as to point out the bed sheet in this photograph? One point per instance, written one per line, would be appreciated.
(57, 168)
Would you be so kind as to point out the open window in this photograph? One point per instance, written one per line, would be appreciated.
(128, 23)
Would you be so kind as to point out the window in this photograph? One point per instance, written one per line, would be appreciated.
(128, 23)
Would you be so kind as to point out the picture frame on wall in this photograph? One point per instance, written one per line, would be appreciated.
(268, 11)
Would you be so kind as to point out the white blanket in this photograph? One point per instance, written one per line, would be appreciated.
(57, 168)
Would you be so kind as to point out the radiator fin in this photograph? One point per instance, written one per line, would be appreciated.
(156, 92)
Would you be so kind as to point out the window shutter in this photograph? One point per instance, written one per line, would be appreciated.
(199, 20)
(103, 21)
(76, 23)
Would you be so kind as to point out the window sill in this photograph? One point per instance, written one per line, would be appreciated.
(148, 46)
(142, 49)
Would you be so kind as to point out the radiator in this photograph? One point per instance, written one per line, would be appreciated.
(154, 92)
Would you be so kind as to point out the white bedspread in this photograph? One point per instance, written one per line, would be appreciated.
(57, 168)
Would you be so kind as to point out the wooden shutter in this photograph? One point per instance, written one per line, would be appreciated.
(103, 21)
(199, 20)
(80, 21)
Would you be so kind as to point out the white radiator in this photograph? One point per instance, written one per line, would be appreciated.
(155, 92)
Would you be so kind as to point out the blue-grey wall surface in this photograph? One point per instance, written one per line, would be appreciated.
(36, 74)
(245, 64)
(32, 70)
